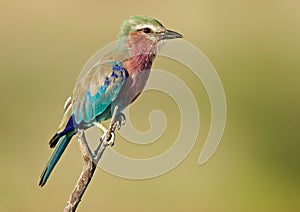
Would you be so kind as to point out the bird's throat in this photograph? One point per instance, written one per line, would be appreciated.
(139, 63)
(141, 50)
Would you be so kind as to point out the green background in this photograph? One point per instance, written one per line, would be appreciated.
(255, 48)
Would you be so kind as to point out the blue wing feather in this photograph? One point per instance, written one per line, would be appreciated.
(96, 91)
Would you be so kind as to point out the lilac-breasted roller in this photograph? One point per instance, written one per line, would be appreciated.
(117, 80)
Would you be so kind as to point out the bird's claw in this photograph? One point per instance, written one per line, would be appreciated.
(120, 120)
(110, 140)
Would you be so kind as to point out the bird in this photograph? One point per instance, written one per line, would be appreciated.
(117, 80)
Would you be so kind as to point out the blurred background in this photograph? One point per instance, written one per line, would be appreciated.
(255, 48)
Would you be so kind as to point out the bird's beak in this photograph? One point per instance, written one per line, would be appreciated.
(169, 34)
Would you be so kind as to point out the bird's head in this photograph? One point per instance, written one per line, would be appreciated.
(146, 29)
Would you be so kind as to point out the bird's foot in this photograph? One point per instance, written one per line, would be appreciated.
(120, 120)
(110, 139)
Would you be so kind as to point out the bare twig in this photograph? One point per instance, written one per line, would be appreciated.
(90, 161)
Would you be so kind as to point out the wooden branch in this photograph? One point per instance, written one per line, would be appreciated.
(90, 161)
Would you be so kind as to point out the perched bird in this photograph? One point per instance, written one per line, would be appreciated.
(116, 81)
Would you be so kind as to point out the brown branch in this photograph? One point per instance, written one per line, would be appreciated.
(90, 161)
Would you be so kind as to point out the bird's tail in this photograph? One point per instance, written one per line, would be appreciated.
(61, 141)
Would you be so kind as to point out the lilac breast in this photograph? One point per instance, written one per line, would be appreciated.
(131, 88)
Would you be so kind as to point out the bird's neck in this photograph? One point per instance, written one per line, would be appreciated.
(141, 53)
(139, 63)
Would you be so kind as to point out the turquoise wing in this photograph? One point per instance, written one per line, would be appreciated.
(96, 90)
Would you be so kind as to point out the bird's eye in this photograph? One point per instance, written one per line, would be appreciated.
(147, 30)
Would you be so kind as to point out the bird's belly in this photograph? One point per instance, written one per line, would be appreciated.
(130, 90)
